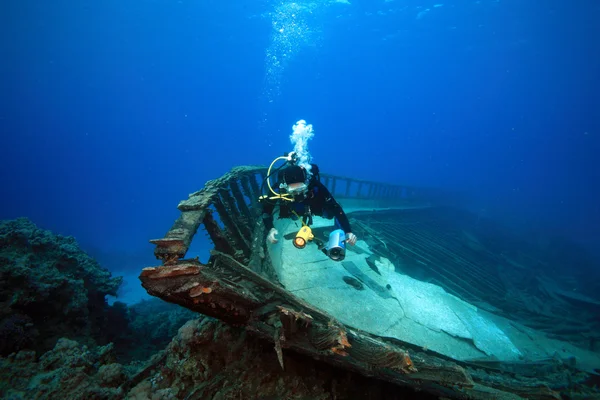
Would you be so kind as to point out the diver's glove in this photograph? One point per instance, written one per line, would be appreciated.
(272, 236)
(351, 238)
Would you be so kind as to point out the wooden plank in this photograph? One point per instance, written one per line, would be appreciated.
(240, 200)
(276, 315)
(177, 241)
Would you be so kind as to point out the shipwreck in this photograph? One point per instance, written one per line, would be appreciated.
(427, 299)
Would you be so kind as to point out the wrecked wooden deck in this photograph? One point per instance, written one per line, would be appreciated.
(240, 284)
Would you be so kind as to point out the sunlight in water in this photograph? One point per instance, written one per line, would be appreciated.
(290, 30)
(294, 25)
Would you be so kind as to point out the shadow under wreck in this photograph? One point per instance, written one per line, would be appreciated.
(432, 299)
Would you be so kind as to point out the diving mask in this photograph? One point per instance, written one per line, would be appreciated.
(296, 188)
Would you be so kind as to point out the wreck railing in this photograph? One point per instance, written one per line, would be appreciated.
(349, 188)
(227, 208)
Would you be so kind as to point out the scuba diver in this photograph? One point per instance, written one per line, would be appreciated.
(302, 195)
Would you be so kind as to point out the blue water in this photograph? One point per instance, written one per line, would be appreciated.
(111, 112)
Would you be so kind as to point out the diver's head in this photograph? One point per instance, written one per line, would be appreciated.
(294, 181)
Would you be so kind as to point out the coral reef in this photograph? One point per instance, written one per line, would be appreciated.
(142, 329)
(210, 360)
(49, 288)
(207, 359)
(68, 371)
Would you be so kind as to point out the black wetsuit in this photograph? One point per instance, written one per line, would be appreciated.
(318, 201)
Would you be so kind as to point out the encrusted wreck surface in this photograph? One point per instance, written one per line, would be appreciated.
(245, 283)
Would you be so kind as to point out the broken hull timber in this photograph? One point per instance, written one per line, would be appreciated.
(231, 292)
(239, 286)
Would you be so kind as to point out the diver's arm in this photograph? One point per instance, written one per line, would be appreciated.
(342, 219)
(267, 214)
(333, 208)
(268, 221)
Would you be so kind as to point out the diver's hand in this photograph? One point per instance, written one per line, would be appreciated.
(351, 238)
(272, 236)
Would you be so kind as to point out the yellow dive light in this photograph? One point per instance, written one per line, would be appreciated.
(303, 236)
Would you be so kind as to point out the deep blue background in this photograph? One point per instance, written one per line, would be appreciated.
(113, 111)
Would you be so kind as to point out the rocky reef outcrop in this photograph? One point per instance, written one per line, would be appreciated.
(207, 359)
(69, 371)
(49, 288)
(211, 360)
(140, 330)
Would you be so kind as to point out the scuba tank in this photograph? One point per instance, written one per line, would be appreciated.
(336, 246)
